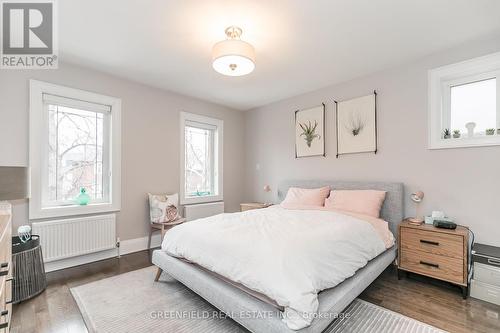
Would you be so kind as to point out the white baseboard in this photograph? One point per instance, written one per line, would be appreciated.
(138, 244)
(79, 260)
(126, 247)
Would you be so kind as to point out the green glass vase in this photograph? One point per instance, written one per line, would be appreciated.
(83, 198)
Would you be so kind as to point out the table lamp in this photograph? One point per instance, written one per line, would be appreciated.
(417, 198)
(267, 189)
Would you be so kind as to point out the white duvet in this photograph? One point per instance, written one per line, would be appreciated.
(287, 255)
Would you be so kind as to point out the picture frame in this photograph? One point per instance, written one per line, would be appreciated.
(310, 132)
(356, 125)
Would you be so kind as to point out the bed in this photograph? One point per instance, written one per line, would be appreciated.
(243, 307)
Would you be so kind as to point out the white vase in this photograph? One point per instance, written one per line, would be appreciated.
(470, 129)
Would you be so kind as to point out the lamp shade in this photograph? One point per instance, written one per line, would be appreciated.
(14, 183)
(417, 196)
(233, 57)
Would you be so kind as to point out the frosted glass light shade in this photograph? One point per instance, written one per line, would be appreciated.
(233, 57)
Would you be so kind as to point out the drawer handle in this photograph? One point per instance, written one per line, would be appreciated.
(6, 271)
(429, 242)
(4, 325)
(4, 313)
(429, 264)
(494, 262)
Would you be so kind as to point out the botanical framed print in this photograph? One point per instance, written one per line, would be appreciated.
(310, 132)
(357, 125)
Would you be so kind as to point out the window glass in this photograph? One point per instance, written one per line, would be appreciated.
(199, 160)
(75, 156)
(474, 102)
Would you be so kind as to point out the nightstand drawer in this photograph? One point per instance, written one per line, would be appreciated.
(433, 242)
(440, 267)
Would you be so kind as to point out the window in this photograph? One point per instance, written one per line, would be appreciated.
(463, 107)
(474, 101)
(75, 156)
(201, 159)
(74, 144)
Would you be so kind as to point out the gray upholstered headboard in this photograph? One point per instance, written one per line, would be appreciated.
(392, 210)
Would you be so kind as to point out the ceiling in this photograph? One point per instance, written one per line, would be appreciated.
(300, 45)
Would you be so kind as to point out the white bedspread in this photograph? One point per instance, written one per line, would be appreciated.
(287, 255)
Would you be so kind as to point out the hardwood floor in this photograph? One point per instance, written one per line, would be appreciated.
(429, 301)
(55, 310)
(433, 302)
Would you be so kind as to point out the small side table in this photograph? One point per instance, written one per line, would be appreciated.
(28, 269)
(435, 252)
(253, 205)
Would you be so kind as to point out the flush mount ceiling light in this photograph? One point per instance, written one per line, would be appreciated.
(233, 57)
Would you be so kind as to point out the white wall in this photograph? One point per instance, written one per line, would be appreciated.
(465, 183)
(150, 138)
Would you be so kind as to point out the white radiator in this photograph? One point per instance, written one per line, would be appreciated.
(198, 211)
(77, 236)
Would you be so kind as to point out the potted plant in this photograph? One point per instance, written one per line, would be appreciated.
(446, 133)
(490, 131)
(456, 134)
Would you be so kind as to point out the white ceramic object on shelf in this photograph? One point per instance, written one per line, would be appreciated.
(470, 129)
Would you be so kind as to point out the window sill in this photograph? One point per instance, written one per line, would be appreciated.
(201, 200)
(72, 210)
(465, 142)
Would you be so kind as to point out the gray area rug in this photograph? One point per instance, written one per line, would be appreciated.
(133, 302)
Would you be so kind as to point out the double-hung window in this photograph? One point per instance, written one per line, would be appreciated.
(201, 159)
(464, 108)
(74, 149)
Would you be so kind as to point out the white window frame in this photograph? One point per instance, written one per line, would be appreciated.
(186, 117)
(38, 138)
(440, 81)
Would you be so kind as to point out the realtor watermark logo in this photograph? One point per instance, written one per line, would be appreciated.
(29, 38)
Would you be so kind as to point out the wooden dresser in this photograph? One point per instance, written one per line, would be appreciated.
(5, 271)
(434, 252)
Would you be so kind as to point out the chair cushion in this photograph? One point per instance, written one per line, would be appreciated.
(163, 207)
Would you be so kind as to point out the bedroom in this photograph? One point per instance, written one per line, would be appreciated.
(275, 166)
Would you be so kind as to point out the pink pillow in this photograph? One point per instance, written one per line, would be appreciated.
(366, 202)
(306, 197)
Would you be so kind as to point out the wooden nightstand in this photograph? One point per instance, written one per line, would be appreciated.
(434, 252)
(253, 205)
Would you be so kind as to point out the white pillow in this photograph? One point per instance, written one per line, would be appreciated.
(163, 207)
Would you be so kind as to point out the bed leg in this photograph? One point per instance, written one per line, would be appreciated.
(158, 273)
